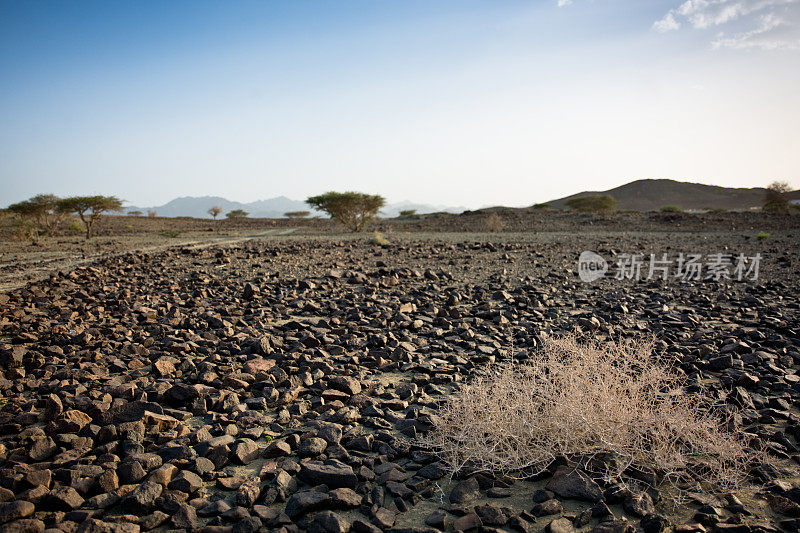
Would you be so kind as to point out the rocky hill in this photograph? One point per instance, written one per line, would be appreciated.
(652, 194)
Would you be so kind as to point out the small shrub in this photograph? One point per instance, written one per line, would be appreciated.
(716, 209)
(237, 213)
(214, 211)
(776, 199)
(134, 213)
(671, 209)
(762, 236)
(494, 223)
(592, 203)
(408, 213)
(541, 206)
(75, 227)
(379, 239)
(297, 214)
(24, 230)
(611, 410)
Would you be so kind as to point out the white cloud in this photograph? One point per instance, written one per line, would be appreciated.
(562, 3)
(773, 33)
(668, 23)
(765, 24)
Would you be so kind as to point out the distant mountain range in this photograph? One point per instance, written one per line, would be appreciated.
(197, 207)
(653, 194)
(639, 195)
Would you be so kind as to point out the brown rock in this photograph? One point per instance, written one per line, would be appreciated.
(560, 525)
(108, 481)
(25, 525)
(14, 510)
(63, 499)
(468, 522)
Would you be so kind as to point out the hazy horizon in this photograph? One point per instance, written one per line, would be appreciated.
(458, 103)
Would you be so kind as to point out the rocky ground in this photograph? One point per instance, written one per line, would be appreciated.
(283, 385)
(22, 261)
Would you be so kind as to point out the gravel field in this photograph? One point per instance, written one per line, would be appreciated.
(259, 381)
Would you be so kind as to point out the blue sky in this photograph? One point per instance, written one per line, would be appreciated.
(450, 102)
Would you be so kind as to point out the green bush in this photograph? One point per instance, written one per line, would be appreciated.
(75, 227)
(592, 203)
(671, 209)
(762, 236)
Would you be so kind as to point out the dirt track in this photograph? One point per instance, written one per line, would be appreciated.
(33, 266)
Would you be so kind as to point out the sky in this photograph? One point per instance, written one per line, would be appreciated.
(453, 102)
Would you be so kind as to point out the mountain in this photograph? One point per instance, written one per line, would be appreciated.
(653, 194)
(393, 210)
(197, 207)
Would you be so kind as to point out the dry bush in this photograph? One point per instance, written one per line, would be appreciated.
(379, 239)
(616, 411)
(23, 230)
(776, 199)
(495, 223)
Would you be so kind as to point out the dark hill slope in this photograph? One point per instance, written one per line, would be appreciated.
(652, 194)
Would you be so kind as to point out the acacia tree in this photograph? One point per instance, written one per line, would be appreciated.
(91, 208)
(46, 211)
(776, 199)
(215, 211)
(237, 213)
(353, 209)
